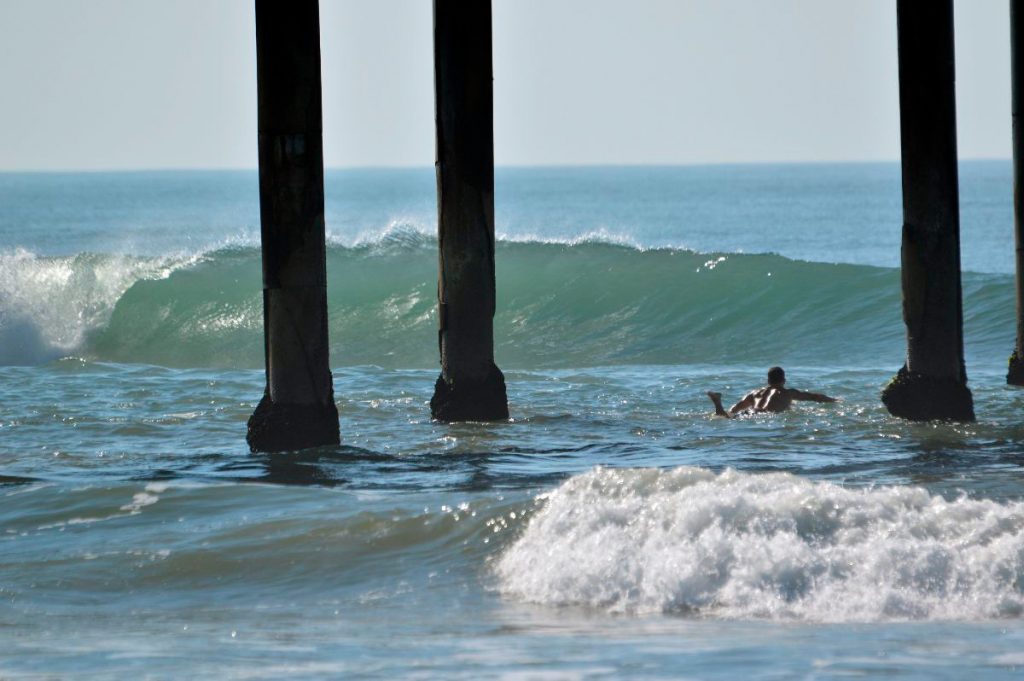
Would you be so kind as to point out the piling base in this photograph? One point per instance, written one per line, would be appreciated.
(1015, 372)
(917, 397)
(286, 427)
(476, 401)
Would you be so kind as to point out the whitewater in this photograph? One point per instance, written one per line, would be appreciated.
(610, 529)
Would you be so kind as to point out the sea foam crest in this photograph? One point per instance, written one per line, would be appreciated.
(410, 233)
(775, 546)
(602, 236)
(397, 234)
(49, 303)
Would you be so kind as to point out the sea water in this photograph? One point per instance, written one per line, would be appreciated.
(609, 529)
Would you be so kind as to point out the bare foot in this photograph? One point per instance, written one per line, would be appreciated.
(716, 399)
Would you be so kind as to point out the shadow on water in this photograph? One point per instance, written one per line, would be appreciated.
(306, 467)
(320, 466)
(16, 480)
(360, 468)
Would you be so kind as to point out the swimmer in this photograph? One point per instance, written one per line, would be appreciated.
(774, 397)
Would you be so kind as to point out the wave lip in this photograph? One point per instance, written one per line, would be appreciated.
(767, 546)
(48, 304)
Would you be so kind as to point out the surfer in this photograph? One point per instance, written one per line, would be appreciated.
(774, 397)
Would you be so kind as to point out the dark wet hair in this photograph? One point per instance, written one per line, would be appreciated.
(776, 375)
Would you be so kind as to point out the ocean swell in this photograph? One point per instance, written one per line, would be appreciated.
(560, 304)
(766, 546)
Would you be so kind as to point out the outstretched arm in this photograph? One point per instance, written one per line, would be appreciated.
(811, 397)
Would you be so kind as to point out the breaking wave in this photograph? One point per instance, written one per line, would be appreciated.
(587, 302)
(766, 546)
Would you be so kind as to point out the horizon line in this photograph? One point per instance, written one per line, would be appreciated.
(507, 166)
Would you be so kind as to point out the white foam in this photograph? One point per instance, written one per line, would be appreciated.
(410, 232)
(601, 236)
(776, 546)
(48, 304)
(402, 232)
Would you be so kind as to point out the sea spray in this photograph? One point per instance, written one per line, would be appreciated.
(767, 546)
(49, 304)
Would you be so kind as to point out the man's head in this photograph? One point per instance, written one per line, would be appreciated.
(776, 377)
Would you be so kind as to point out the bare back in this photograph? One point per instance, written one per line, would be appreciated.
(769, 399)
(774, 399)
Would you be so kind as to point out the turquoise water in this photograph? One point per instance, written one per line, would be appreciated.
(610, 529)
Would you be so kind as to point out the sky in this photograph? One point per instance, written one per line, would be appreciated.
(153, 84)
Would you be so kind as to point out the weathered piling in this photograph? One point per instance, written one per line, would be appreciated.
(297, 409)
(1015, 374)
(470, 387)
(932, 384)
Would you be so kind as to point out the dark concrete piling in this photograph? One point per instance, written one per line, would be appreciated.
(471, 387)
(932, 384)
(1015, 374)
(297, 409)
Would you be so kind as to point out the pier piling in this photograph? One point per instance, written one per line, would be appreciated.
(297, 409)
(470, 387)
(1015, 373)
(932, 384)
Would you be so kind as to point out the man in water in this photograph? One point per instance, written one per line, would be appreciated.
(774, 397)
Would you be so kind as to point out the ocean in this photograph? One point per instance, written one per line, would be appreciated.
(610, 529)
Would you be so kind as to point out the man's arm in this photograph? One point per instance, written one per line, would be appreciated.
(811, 397)
(746, 403)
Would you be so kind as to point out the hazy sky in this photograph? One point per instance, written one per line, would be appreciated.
(112, 84)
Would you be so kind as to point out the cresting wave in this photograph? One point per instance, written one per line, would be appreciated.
(766, 546)
(581, 303)
(48, 305)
